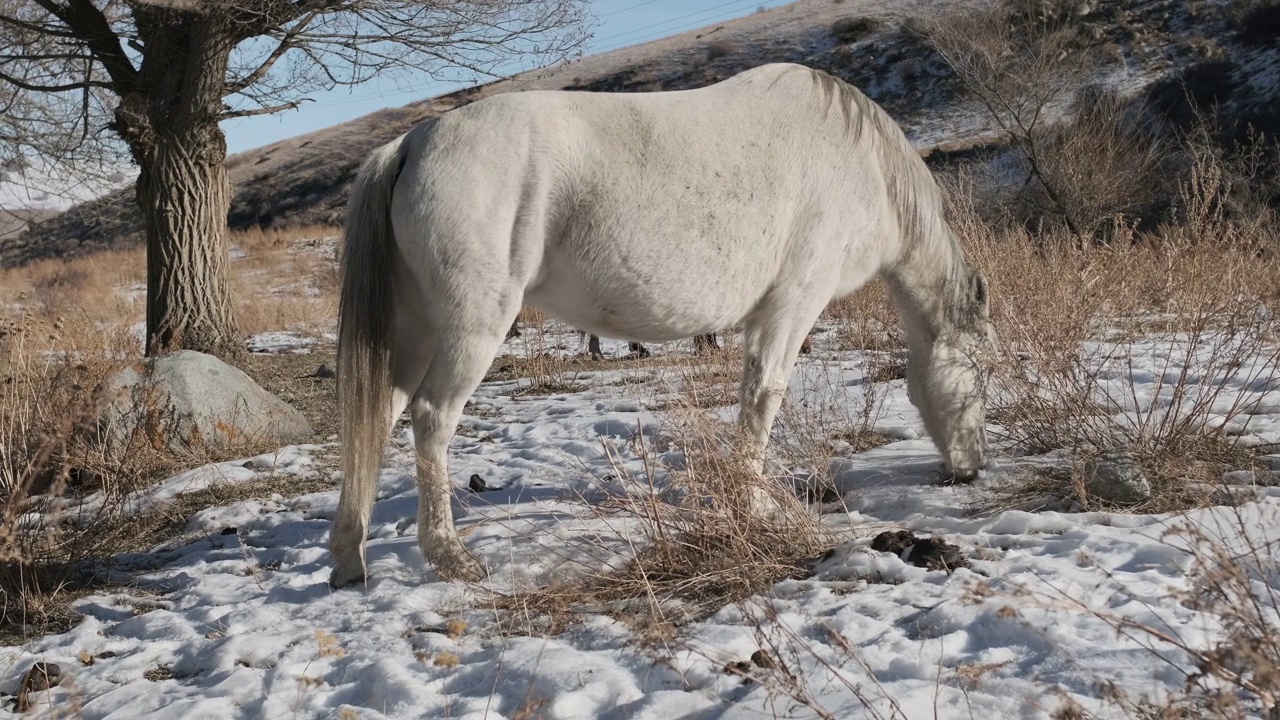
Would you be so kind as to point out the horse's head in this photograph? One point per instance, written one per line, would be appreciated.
(946, 379)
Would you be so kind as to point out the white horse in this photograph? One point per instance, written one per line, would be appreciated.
(648, 217)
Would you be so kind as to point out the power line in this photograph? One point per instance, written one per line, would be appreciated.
(597, 47)
(672, 31)
(629, 9)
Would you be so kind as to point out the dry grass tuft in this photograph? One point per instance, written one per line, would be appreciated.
(866, 320)
(1087, 330)
(65, 489)
(1231, 663)
(700, 546)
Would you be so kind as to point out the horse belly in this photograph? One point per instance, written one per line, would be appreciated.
(654, 286)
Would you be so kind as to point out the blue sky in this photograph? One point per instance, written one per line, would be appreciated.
(619, 23)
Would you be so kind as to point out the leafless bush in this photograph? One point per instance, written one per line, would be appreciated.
(64, 488)
(1085, 333)
(866, 320)
(850, 30)
(1231, 663)
(720, 49)
(1085, 159)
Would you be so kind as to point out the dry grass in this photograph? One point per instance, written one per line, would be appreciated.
(103, 287)
(286, 279)
(866, 320)
(281, 280)
(66, 327)
(64, 486)
(1197, 302)
(693, 543)
(1231, 663)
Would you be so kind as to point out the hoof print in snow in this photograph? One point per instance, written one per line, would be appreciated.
(477, 483)
(41, 677)
(158, 673)
(930, 553)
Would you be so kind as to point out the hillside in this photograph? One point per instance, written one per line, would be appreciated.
(1144, 46)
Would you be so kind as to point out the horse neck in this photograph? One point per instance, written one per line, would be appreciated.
(927, 282)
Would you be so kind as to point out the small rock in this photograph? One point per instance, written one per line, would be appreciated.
(1116, 478)
(325, 371)
(477, 483)
(39, 678)
(42, 676)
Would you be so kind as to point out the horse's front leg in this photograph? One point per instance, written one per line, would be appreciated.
(769, 353)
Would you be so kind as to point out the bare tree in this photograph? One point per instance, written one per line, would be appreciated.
(1016, 58)
(99, 81)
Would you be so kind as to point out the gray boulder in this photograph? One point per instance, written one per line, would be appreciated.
(1116, 477)
(191, 401)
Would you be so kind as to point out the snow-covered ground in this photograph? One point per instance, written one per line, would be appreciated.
(242, 623)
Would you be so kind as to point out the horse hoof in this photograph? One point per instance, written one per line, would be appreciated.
(339, 579)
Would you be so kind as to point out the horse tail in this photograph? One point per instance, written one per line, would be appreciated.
(365, 324)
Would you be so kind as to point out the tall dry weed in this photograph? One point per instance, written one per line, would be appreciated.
(693, 541)
(1161, 347)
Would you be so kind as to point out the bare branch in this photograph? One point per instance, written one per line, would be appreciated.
(285, 44)
(250, 112)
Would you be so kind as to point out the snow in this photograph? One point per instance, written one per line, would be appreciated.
(246, 625)
(287, 342)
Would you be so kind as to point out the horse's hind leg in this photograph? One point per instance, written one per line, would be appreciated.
(457, 366)
(351, 525)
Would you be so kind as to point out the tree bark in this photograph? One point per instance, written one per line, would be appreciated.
(185, 195)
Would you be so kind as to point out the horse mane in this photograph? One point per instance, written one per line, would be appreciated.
(911, 187)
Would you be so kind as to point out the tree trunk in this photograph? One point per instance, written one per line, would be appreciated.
(171, 125)
(185, 195)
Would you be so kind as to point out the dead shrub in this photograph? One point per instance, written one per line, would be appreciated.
(849, 30)
(818, 422)
(1256, 22)
(721, 49)
(1021, 62)
(1085, 333)
(65, 490)
(866, 320)
(541, 367)
(1230, 661)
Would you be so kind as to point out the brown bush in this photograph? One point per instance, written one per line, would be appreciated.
(850, 30)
